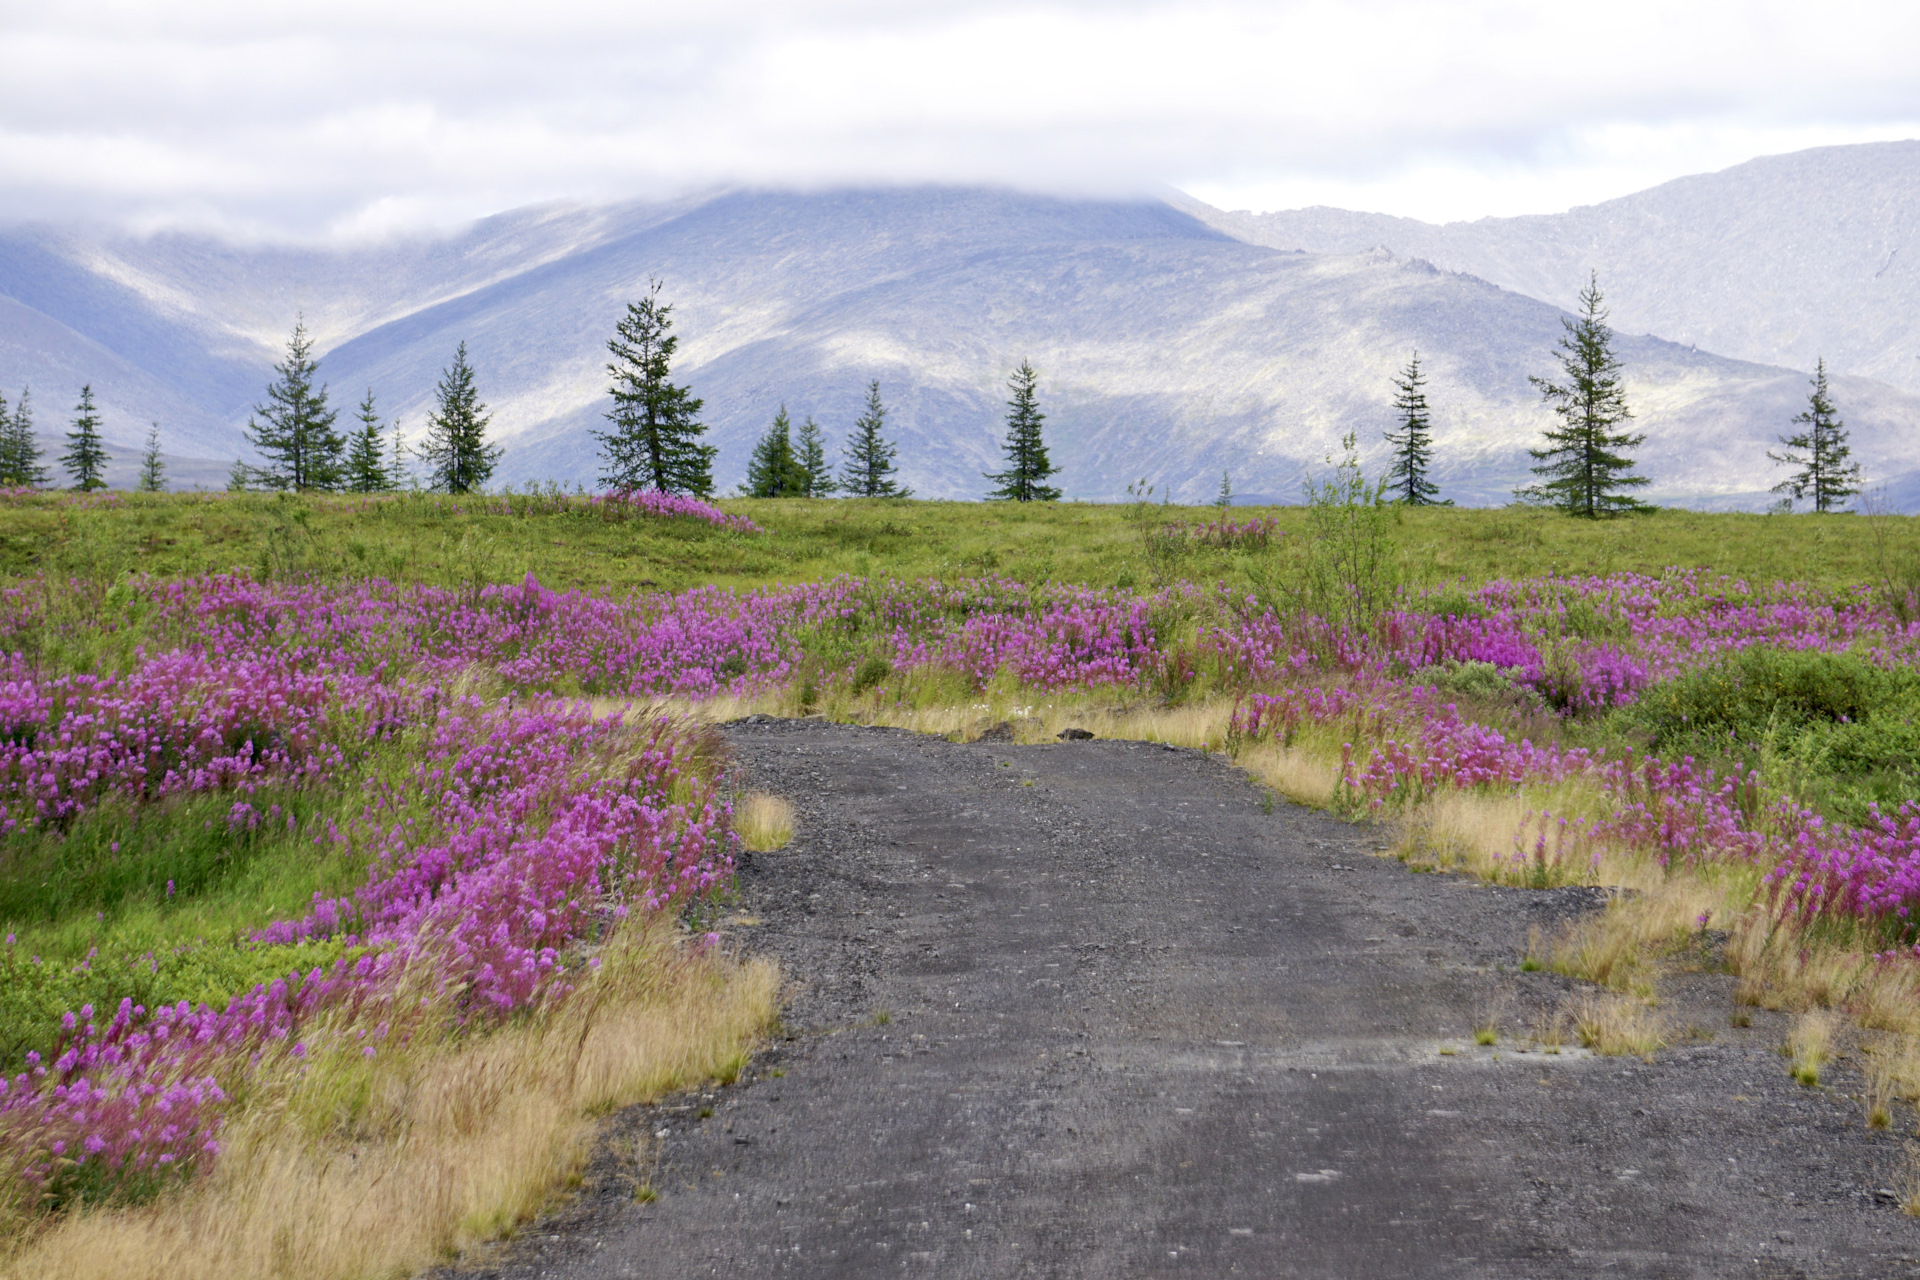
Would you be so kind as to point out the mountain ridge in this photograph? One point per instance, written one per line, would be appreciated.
(1169, 347)
(1781, 260)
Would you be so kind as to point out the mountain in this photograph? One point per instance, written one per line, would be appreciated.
(1780, 260)
(185, 329)
(1169, 347)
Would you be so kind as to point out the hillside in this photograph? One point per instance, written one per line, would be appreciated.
(1168, 349)
(1779, 260)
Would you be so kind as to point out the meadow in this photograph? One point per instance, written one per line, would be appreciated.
(357, 840)
(569, 542)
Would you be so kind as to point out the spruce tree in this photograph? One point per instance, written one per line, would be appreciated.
(868, 472)
(1584, 466)
(1413, 443)
(655, 439)
(86, 456)
(1224, 498)
(239, 477)
(773, 471)
(9, 466)
(458, 457)
(397, 469)
(293, 430)
(1820, 451)
(153, 469)
(19, 447)
(810, 451)
(1024, 480)
(366, 466)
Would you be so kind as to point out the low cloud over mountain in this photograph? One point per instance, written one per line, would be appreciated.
(1173, 342)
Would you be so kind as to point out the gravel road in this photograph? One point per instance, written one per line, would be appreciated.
(1106, 1009)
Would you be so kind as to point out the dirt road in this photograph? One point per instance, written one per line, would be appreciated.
(1105, 1009)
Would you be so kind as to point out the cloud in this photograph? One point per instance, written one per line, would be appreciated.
(357, 118)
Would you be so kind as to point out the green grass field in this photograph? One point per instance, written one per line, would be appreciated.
(161, 901)
(448, 541)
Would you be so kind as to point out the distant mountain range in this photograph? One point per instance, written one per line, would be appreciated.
(1174, 341)
(1780, 260)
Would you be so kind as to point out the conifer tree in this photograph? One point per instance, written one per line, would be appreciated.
(1224, 498)
(1413, 443)
(19, 447)
(397, 468)
(773, 471)
(1584, 466)
(86, 456)
(810, 451)
(1820, 451)
(458, 457)
(868, 472)
(8, 466)
(1024, 480)
(655, 439)
(293, 430)
(366, 465)
(239, 477)
(153, 469)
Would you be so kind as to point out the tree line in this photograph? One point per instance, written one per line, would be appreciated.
(652, 441)
(1585, 465)
(296, 433)
(654, 436)
(85, 458)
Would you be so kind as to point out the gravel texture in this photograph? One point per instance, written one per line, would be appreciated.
(1108, 1009)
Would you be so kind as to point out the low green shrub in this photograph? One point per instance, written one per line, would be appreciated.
(1832, 728)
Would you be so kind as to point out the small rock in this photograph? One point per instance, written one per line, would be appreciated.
(1002, 732)
(1075, 735)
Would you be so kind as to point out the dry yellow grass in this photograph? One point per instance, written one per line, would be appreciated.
(1200, 724)
(1892, 1068)
(1810, 1044)
(764, 821)
(381, 1168)
(1624, 946)
(1299, 775)
(1788, 966)
(1549, 1032)
(1509, 838)
(1615, 1024)
(1910, 1183)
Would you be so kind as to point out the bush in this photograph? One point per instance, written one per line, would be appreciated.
(1760, 690)
(871, 672)
(1481, 681)
(1833, 728)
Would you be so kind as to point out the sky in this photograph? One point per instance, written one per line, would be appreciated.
(357, 119)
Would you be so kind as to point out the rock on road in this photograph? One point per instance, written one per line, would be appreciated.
(1106, 1009)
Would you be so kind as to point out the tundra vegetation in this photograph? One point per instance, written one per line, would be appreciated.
(336, 825)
